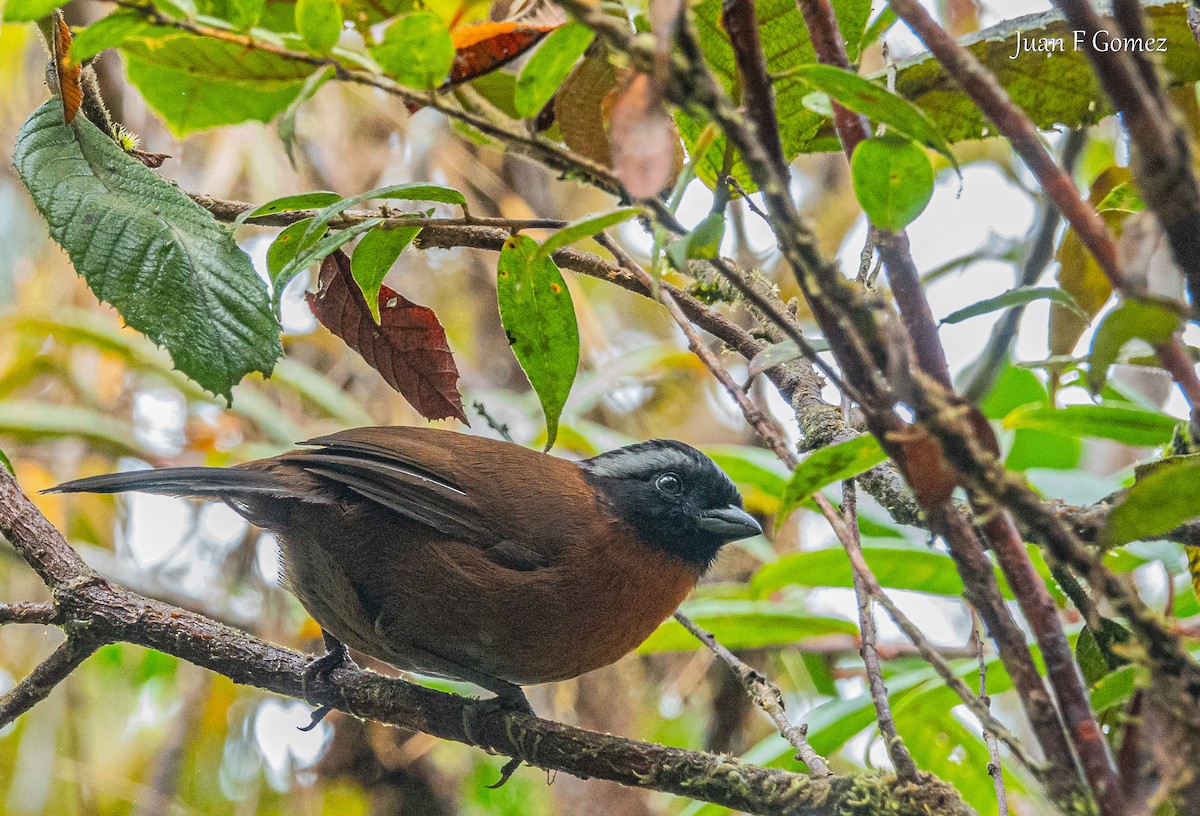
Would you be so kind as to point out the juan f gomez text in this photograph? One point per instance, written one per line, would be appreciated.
(1099, 41)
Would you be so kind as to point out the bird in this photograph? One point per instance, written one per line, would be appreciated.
(459, 556)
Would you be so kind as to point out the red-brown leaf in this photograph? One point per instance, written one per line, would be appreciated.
(408, 347)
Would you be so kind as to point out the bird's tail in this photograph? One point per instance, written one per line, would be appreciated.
(197, 482)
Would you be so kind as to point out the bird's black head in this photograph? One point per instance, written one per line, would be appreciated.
(673, 496)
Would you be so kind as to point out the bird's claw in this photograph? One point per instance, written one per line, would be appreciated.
(336, 657)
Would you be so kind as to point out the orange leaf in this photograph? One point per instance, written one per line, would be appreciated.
(70, 85)
(484, 47)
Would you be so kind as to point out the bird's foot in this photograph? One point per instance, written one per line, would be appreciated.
(337, 656)
(511, 700)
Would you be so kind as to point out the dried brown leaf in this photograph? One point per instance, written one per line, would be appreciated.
(408, 346)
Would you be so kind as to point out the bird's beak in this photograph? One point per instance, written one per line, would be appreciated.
(729, 523)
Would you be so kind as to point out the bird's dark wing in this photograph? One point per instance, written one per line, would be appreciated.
(392, 477)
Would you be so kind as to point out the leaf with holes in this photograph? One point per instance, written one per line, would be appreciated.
(539, 318)
(408, 347)
(159, 258)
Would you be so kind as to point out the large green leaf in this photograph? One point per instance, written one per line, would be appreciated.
(319, 23)
(744, 625)
(198, 82)
(1158, 503)
(539, 318)
(1121, 423)
(168, 267)
(894, 567)
(108, 32)
(24, 11)
(824, 466)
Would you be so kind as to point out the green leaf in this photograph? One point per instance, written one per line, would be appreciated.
(875, 101)
(539, 318)
(374, 256)
(395, 192)
(168, 267)
(549, 66)
(307, 255)
(1053, 89)
(702, 242)
(1016, 297)
(824, 466)
(26, 11)
(1014, 388)
(1114, 688)
(752, 467)
(195, 83)
(292, 203)
(896, 568)
(7, 463)
(319, 23)
(893, 180)
(285, 248)
(108, 32)
(287, 120)
(744, 625)
(1121, 423)
(877, 28)
(1148, 321)
(1032, 448)
(1125, 197)
(416, 50)
(584, 228)
(1157, 503)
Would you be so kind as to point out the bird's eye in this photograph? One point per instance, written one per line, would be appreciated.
(669, 483)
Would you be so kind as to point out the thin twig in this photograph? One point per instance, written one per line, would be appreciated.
(497, 426)
(28, 612)
(38, 684)
(902, 760)
(765, 694)
(995, 769)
